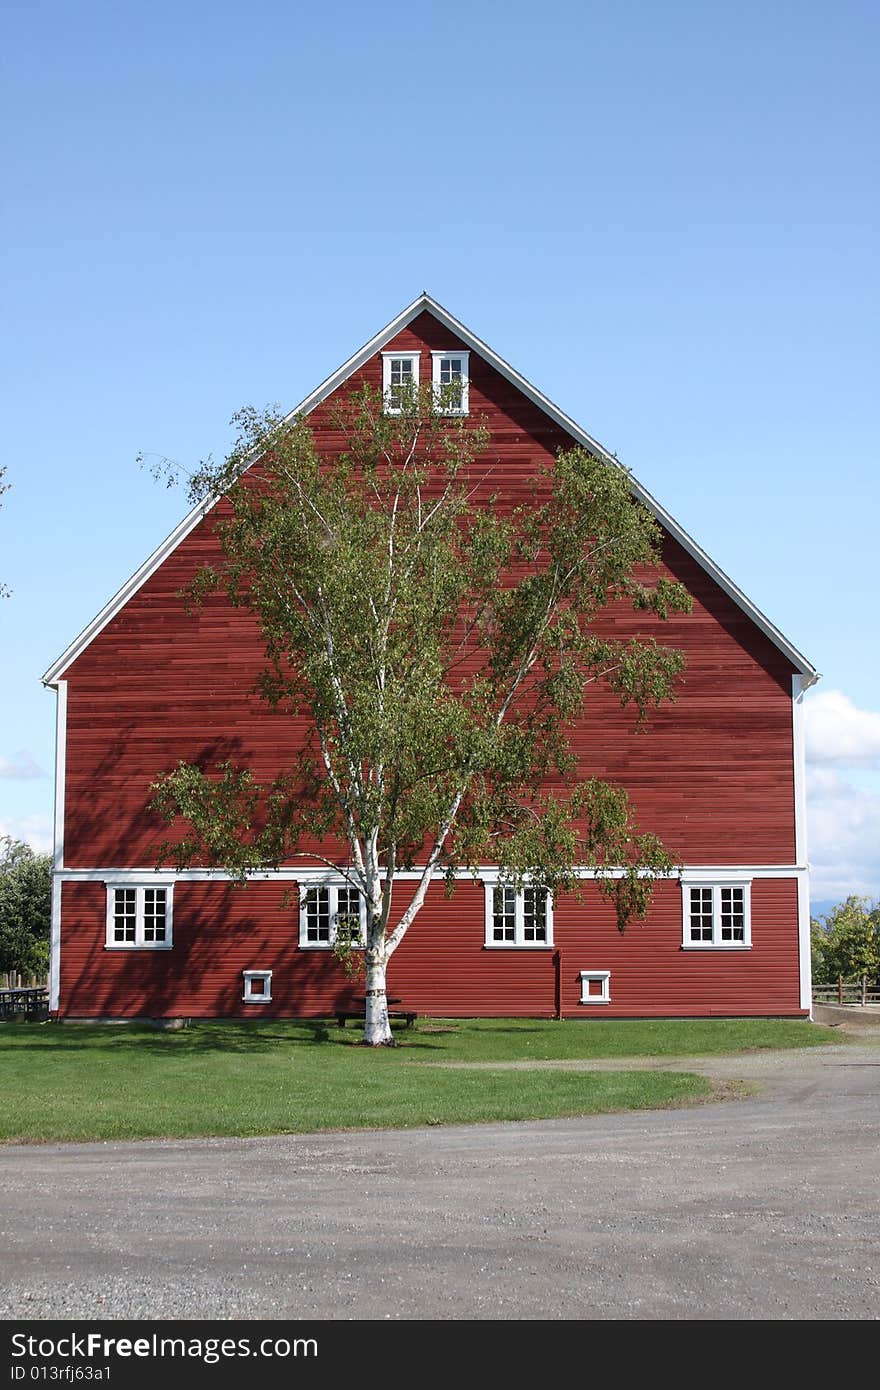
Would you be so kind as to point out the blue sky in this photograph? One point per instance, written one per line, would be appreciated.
(664, 216)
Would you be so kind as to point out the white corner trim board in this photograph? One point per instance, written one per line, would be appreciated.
(60, 770)
(58, 836)
(799, 756)
(55, 946)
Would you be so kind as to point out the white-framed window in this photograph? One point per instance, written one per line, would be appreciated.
(324, 908)
(400, 378)
(138, 917)
(595, 986)
(518, 918)
(450, 378)
(257, 986)
(717, 916)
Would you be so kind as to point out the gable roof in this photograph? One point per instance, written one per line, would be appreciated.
(423, 303)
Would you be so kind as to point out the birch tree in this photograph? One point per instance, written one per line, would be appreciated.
(441, 641)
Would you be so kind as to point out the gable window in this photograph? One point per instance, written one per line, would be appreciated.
(400, 379)
(138, 918)
(717, 916)
(450, 378)
(325, 910)
(518, 917)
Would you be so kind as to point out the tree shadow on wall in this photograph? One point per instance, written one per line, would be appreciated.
(108, 807)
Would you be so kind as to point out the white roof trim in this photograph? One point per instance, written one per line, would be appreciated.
(423, 303)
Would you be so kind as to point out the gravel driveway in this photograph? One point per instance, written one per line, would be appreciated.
(762, 1208)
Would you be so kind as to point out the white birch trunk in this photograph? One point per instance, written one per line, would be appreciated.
(377, 1029)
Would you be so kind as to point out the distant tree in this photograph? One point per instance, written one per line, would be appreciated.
(846, 941)
(440, 649)
(820, 964)
(25, 907)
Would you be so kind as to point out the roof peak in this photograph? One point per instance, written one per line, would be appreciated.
(336, 379)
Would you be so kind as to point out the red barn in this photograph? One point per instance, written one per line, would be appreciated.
(719, 776)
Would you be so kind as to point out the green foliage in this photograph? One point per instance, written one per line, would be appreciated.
(25, 907)
(846, 941)
(440, 644)
(348, 946)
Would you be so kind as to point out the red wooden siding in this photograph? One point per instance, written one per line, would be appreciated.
(713, 775)
(442, 967)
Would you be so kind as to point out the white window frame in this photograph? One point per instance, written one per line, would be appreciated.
(333, 887)
(249, 976)
(716, 885)
(387, 359)
(519, 942)
(604, 978)
(437, 360)
(139, 944)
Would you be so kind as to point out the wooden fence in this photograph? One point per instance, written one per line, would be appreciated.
(847, 992)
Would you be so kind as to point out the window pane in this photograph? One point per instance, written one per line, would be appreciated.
(733, 921)
(124, 914)
(348, 911)
(450, 374)
(349, 902)
(154, 914)
(534, 914)
(503, 914)
(701, 914)
(317, 905)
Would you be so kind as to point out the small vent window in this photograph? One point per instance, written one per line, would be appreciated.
(257, 986)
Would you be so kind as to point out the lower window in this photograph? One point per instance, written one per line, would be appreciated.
(518, 917)
(138, 917)
(327, 911)
(717, 916)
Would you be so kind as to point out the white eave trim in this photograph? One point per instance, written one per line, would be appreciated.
(488, 874)
(424, 303)
(128, 590)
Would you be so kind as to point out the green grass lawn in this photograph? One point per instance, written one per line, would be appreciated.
(76, 1082)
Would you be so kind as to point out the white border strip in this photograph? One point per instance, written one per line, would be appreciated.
(799, 753)
(806, 964)
(799, 759)
(60, 769)
(58, 859)
(55, 946)
(376, 343)
(487, 873)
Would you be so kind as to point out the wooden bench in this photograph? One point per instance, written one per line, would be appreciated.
(29, 1003)
(394, 1015)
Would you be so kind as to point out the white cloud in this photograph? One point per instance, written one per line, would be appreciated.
(840, 733)
(36, 831)
(843, 827)
(20, 765)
